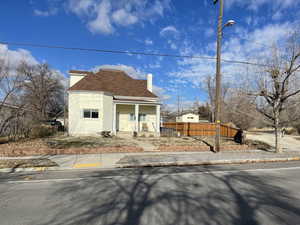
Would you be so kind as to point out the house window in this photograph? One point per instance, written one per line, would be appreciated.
(142, 117)
(132, 117)
(91, 113)
(191, 118)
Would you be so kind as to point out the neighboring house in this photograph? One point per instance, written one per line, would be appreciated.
(110, 100)
(188, 118)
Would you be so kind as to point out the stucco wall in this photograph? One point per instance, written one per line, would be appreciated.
(107, 112)
(85, 100)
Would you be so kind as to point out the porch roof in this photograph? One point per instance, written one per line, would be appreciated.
(136, 101)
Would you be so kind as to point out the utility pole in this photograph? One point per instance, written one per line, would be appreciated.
(218, 77)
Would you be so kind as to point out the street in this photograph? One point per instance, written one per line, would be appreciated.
(231, 194)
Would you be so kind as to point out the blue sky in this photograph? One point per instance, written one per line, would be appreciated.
(159, 26)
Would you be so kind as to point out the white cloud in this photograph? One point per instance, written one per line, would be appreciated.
(124, 18)
(256, 4)
(15, 57)
(102, 23)
(169, 30)
(172, 44)
(104, 16)
(155, 65)
(161, 93)
(148, 42)
(45, 13)
(252, 46)
(131, 71)
(278, 15)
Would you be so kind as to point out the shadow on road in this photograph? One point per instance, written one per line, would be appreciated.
(186, 198)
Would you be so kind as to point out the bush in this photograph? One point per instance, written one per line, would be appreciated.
(297, 127)
(291, 131)
(41, 131)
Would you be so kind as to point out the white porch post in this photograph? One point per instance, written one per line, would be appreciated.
(114, 124)
(136, 109)
(158, 118)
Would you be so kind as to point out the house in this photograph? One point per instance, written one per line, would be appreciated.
(111, 100)
(188, 118)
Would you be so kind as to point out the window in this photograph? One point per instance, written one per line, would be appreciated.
(142, 117)
(91, 113)
(132, 117)
(190, 117)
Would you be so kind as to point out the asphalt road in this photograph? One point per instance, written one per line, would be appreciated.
(237, 194)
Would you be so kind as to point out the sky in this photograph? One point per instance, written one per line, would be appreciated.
(154, 26)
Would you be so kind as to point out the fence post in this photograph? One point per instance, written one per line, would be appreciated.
(185, 129)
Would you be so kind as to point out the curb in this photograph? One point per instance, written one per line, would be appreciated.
(158, 164)
(211, 162)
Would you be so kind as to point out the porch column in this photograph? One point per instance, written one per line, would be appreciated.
(136, 110)
(114, 123)
(158, 118)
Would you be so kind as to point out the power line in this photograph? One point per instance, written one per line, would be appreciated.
(130, 52)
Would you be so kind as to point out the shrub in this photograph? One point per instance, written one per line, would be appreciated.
(40, 131)
(298, 128)
(291, 131)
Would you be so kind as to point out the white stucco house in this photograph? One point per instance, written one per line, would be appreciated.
(111, 100)
(188, 118)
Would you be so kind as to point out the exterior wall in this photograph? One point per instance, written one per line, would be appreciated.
(107, 112)
(185, 118)
(74, 78)
(123, 120)
(85, 100)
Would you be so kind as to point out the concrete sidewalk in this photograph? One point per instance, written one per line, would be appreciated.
(123, 160)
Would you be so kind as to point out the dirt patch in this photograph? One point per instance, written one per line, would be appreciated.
(26, 163)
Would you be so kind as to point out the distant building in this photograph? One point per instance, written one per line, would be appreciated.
(188, 118)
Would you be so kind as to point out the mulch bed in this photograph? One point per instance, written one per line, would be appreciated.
(26, 163)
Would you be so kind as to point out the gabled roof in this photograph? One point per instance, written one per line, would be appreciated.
(116, 82)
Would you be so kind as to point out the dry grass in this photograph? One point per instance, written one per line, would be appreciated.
(87, 142)
(224, 141)
(258, 145)
(172, 141)
(25, 163)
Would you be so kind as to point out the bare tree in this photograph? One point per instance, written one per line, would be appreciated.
(10, 86)
(43, 91)
(210, 89)
(277, 84)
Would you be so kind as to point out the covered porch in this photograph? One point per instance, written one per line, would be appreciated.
(136, 116)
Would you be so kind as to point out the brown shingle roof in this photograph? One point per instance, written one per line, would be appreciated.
(114, 81)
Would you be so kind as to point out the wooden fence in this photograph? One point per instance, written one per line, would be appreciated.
(201, 129)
